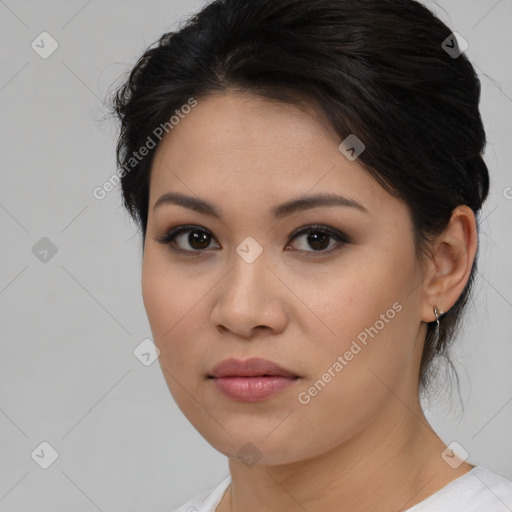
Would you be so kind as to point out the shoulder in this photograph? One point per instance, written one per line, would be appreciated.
(478, 490)
(208, 500)
(492, 489)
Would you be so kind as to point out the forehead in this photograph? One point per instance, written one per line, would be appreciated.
(246, 150)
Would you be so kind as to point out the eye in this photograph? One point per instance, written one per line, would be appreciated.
(319, 237)
(196, 238)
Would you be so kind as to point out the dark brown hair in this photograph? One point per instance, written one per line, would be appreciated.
(378, 69)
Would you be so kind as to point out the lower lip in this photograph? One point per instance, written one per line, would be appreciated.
(252, 389)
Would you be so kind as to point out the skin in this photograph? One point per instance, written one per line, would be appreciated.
(365, 429)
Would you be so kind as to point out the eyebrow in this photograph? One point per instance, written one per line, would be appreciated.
(278, 212)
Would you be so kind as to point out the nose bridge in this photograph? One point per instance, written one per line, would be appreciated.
(246, 299)
(247, 277)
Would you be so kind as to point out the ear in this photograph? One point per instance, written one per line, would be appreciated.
(453, 254)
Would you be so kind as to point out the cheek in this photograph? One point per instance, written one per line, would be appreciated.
(176, 315)
(365, 312)
(350, 298)
(165, 293)
(176, 329)
(159, 299)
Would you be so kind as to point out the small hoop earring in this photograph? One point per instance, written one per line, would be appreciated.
(437, 318)
(441, 313)
(436, 311)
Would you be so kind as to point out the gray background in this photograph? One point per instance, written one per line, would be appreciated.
(69, 324)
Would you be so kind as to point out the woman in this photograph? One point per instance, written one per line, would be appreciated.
(306, 176)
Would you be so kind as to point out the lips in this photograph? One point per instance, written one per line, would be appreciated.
(253, 367)
(252, 380)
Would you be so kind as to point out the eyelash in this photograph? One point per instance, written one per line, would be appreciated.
(339, 237)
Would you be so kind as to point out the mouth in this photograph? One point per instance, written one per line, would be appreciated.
(252, 380)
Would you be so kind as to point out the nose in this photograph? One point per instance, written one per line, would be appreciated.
(249, 299)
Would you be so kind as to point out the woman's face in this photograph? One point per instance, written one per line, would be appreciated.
(342, 315)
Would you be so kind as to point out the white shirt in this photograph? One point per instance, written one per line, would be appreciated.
(479, 490)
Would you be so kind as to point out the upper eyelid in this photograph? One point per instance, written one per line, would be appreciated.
(339, 236)
(178, 230)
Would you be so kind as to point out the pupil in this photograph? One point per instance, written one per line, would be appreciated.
(313, 240)
(195, 237)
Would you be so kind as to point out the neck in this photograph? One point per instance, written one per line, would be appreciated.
(392, 465)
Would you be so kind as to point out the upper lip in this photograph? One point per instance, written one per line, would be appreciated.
(252, 367)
